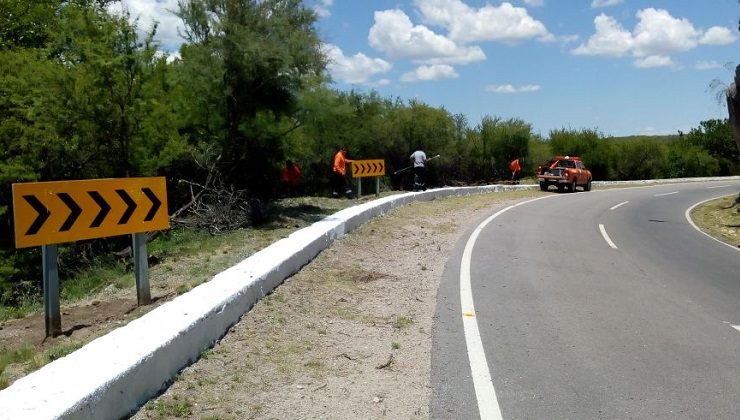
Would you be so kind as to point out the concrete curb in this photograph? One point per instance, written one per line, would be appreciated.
(112, 376)
(115, 374)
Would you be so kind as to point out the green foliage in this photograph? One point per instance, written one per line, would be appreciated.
(261, 54)
(686, 160)
(640, 158)
(716, 137)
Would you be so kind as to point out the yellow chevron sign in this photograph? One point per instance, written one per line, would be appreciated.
(49, 213)
(368, 167)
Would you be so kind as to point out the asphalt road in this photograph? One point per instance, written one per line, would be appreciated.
(605, 304)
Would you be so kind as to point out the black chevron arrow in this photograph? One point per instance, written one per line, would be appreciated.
(43, 214)
(74, 211)
(104, 208)
(131, 206)
(155, 204)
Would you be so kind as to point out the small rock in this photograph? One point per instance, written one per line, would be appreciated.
(377, 399)
(299, 386)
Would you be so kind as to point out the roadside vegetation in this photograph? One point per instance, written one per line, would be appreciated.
(720, 218)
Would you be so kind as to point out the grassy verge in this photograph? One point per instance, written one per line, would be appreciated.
(203, 254)
(719, 219)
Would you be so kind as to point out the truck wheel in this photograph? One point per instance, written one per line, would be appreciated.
(587, 187)
(561, 188)
(573, 186)
(543, 186)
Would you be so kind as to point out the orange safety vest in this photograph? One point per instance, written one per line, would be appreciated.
(340, 163)
(514, 166)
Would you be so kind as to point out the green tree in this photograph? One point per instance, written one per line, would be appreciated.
(256, 56)
(716, 137)
(639, 158)
(686, 160)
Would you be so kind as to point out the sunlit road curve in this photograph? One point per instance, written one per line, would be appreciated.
(606, 304)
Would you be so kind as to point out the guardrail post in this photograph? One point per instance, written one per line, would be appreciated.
(141, 267)
(52, 313)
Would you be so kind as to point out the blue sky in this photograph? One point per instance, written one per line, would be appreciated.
(623, 67)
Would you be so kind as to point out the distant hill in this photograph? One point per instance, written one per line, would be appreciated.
(661, 139)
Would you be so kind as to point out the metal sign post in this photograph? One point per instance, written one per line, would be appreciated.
(141, 267)
(53, 315)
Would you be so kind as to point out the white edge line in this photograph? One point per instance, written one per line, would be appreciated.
(606, 236)
(664, 194)
(488, 406)
(618, 205)
(737, 327)
(688, 217)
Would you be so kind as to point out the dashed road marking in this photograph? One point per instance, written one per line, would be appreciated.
(664, 194)
(618, 205)
(718, 186)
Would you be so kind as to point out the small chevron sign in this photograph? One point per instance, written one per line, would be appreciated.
(47, 213)
(369, 167)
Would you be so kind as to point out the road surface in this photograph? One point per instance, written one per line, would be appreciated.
(606, 304)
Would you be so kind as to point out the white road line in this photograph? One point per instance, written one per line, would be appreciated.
(737, 327)
(664, 194)
(606, 236)
(718, 186)
(619, 205)
(687, 214)
(488, 407)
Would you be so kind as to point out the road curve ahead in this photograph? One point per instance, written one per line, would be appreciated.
(607, 304)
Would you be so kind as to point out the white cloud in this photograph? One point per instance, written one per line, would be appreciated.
(508, 88)
(322, 8)
(534, 3)
(610, 39)
(654, 61)
(356, 69)
(504, 23)
(657, 32)
(604, 3)
(148, 12)
(656, 37)
(395, 35)
(433, 72)
(717, 35)
(707, 65)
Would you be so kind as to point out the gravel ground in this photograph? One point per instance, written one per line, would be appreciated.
(348, 337)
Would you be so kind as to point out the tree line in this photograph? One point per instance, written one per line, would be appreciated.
(83, 95)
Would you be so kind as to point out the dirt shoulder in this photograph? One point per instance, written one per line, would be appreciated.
(349, 336)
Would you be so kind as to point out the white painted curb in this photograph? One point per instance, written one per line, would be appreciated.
(112, 376)
(115, 374)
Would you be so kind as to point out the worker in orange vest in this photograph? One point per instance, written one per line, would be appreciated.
(339, 174)
(515, 169)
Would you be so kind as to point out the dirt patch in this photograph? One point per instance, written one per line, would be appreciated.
(349, 336)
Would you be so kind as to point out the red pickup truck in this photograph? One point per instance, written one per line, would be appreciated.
(565, 172)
